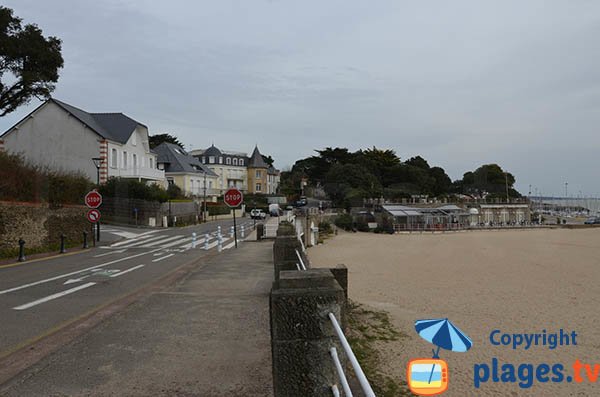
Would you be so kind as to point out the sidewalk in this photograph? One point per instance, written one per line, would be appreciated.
(207, 336)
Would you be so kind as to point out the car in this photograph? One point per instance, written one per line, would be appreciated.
(594, 220)
(257, 214)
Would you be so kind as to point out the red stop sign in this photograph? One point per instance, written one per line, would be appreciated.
(233, 198)
(93, 199)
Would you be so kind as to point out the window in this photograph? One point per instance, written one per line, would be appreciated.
(150, 162)
(170, 181)
(220, 160)
(203, 160)
(211, 159)
(210, 184)
(241, 161)
(114, 158)
(258, 173)
(124, 160)
(135, 162)
(258, 187)
(192, 186)
(228, 161)
(234, 161)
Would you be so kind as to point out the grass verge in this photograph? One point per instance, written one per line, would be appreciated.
(369, 332)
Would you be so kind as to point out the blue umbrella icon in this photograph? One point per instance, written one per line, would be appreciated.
(442, 333)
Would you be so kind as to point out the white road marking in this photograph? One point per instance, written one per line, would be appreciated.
(231, 245)
(199, 244)
(183, 240)
(146, 240)
(53, 296)
(109, 253)
(6, 291)
(131, 240)
(161, 258)
(160, 242)
(127, 271)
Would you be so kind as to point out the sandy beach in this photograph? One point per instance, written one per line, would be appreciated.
(517, 282)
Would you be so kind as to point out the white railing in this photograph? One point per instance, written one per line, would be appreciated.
(362, 379)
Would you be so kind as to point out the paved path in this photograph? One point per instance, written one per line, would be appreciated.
(206, 336)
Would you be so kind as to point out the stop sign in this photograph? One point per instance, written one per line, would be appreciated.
(93, 199)
(233, 198)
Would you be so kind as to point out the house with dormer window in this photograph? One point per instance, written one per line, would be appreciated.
(63, 137)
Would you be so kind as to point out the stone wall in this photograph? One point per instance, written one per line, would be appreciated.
(39, 225)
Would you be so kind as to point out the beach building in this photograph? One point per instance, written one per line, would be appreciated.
(497, 214)
(426, 217)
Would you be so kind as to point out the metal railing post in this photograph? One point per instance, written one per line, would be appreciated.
(62, 244)
(21, 250)
(219, 242)
(206, 237)
(243, 232)
(231, 232)
(85, 243)
(194, 240)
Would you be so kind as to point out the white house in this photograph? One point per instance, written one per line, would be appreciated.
(63, 137)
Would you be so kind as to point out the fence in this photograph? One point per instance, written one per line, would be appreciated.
(308, 315)
(444, 227)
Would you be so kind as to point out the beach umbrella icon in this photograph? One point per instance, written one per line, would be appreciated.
(443, 334)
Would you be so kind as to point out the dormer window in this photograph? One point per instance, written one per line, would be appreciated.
(211, 159)
(220, 160)
(235, 161)
(203, 160)
(241, 161)
(228, 161)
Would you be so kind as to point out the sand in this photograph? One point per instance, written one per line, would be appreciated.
(522, 281)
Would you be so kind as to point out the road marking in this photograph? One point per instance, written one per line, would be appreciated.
(140, 237)
(53, 296)
(183, 240)
(6, 291)
(159, 242)
(127, 271)
(226, 247)
(161, 258)
(110, 253)
(146, 240)
(199, 244)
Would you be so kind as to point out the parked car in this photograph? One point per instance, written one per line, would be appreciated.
(594, 220)
(257, 214)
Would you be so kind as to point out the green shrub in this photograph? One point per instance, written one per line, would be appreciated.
(344, 221)
(132, 189)
(325, 227)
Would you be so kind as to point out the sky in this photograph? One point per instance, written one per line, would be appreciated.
(461, 83)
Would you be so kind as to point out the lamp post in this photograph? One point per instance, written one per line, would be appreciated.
(204, 212)
(97, 162)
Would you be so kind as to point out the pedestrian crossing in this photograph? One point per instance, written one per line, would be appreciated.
(154, 239)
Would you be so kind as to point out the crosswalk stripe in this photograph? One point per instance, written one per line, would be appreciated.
(183, 240)
(159, 242)
(145, 241)
(131, 240)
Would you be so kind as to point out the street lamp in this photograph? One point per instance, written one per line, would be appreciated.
(97, 162)
(204, 214)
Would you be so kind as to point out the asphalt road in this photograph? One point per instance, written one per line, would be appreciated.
(41, 296)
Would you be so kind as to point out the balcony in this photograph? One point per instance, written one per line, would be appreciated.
(137, 173)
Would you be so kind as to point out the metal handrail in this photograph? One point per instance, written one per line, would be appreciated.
(300, 259)
(362, 379)
(340, 371)
(335, 391)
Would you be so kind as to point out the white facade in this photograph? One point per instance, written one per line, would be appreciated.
(134, 159)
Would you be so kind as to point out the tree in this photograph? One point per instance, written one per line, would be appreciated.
(156, 140)
(268, 159)
(29, 62)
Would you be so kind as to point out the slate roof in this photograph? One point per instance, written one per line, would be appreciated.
(256, 160)
(113, 126)
(212, 151)
(176, 159)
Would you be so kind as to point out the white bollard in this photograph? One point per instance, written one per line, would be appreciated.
(231, 232)
(219, 229)
(219, 242)
(206, 242)
(194, 240)
(243, 231)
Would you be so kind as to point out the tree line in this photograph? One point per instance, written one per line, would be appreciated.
(349, 177)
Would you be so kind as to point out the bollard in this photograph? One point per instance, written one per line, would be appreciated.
(194, 240)
(85, 243)
(62, 244)
(231, 232)
(243, 231)
(21, 250)
(219, 242)
(219, 229)
(206, 237)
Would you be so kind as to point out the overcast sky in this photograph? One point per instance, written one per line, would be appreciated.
(461, 83)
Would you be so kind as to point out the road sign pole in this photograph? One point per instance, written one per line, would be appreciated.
(234, 229)
(98, 230)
